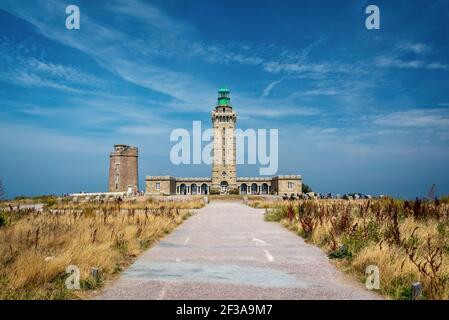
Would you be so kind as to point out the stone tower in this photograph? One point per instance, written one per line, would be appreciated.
(123, 169)
(224, 153)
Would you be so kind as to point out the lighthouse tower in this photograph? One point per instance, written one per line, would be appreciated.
(224, 119)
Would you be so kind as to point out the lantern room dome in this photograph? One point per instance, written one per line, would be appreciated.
(224, 100)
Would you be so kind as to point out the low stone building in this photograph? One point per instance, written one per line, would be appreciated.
(224, 178)
(166, 185)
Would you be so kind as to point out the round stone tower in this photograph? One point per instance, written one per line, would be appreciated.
(123, 169)
(224, 119)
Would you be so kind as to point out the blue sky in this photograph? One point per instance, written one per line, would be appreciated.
(357, 110)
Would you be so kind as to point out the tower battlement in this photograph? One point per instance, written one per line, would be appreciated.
(124, 150)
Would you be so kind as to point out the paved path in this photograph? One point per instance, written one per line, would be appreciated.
(228, 251)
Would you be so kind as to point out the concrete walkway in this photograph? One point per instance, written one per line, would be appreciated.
(228, 251)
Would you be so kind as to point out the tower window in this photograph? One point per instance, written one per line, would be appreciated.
(223, 109)
(290, 185)
(158, 186)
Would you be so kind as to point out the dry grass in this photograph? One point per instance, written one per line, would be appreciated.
(265, 204)
(36, 248)
(407, 240)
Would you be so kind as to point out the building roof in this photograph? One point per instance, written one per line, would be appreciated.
(291, 177)
(254, 178)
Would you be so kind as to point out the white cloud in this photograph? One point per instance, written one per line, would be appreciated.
(270, 87)
(278, 111)
(322, 92)
(143, 130)
(417, 48)
(277, 67)
(149, 15)
(62, 72)
(420, 118)
(437, 66)
(390, 61)
(33, 72)
(30, 79)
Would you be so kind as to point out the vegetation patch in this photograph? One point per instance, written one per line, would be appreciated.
(407, 240)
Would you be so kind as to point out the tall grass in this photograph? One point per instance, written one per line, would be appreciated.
(407, 240)
(37, 247)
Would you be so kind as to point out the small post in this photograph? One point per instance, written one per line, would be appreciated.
(206, 200)
(96, 273)
(245, 199)
(416, 291)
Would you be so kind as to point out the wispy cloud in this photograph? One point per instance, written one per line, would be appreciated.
(149, 15)
(278, 111)
(25, 70)
(62, 72)
(391, 61)
(322, 92)
(398, 60)
(417, 48)
(420, 118)
(146, 131)
(30, 79)
(270, 87)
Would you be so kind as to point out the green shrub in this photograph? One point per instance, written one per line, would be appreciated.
(274, 215)
(306, 188)
(89, 283)
(400, 287)
(4, 219)
(145, 243)
(342, 252)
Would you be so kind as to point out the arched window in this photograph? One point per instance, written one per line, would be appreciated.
(254, 188)
(204, 188)
(224, 187)
(183, 189)
(264, 188)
